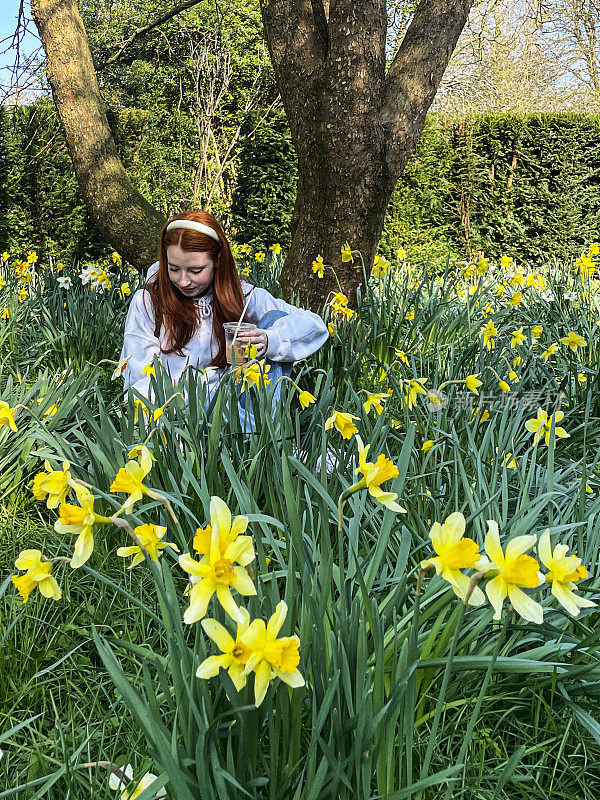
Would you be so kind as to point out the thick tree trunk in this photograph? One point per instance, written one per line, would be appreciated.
(122, 214)
(353, 125)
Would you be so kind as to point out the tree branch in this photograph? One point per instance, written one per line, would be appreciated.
(145, 28)
(416, 71)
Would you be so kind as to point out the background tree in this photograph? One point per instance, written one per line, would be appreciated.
(353, 122)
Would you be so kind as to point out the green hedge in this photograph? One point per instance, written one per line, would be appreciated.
(524, 185)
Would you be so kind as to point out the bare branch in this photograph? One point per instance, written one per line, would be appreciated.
(145, 28)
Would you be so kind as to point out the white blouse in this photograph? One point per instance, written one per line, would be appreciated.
(291, 338)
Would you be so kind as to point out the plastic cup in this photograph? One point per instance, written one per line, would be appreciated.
(233, 349)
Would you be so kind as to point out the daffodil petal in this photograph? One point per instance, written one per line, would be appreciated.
(524, 605)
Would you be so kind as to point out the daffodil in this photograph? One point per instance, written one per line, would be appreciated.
(563, 573)
(375, 400)
(489, 332)
(271, 657)
(536, 331)
(150, 538)
(53, 484)
(549, 351)
(80, 519)
(306, 399)
(401, 356)
(373, 475)
(343, 421)
(413, 388)
(215, 573)
(125, 290)
(148, 370)
(7, 416)
(573, 341)
(235, 652)
(506, 261)
(380, 266)
(346, 253)
(130, 792)
(516, 299)
(504, 386)
(427, 445)
(255, 374)
(38, 574)
(473, 383)
(120, 368)
(318, 267)
(260, 256)
(518, 337)
(129, 479)
(514, 572)
(275, 248)
(455, 552)
(541, 426)
(5, 313)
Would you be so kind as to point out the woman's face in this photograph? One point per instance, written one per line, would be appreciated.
(191, 273)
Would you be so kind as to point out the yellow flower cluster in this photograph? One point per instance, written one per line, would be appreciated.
(507, 572)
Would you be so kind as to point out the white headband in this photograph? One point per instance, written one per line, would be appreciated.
(194, 226)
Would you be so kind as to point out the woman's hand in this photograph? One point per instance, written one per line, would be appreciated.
(257, 337)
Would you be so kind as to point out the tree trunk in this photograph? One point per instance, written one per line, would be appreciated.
(353, 124)
(125, 218)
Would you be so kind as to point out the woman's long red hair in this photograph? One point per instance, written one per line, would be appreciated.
(178, 313)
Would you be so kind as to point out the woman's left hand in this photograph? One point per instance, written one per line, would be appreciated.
(258, 338)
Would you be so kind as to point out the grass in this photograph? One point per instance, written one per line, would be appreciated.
(407, 695)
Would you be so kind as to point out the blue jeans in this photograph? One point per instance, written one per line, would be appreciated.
(278, 369)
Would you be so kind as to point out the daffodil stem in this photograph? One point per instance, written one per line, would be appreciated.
(165, 502)
(108, 765)
(120, 523)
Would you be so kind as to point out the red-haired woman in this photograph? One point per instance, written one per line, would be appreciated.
(190, 292)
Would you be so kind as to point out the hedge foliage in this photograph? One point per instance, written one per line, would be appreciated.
(523, 185)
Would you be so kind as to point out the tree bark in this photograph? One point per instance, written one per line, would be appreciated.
(353, 125)
(125, 218)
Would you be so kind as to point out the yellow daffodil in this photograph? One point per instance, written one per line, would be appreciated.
(318, 267)
(401, 356)
(542, 425)
(129, 479)
(504, 386)
(80, 519)
(374, 474)
(427, 445)
(5, 314)
(489, 332)
(7, 416)
(515, 571)
(410, 315)
(150, 541)
(245, 271)
(271, 657)
(5, 256)
(454, 553)
(346, 253)
(397, 424)
(23, 295)
(275, 248)
(482, 265)
(401, 254)
(573, 340)
(549, 352)
(53, 484)
(536, 331)
(518, 279)
(260, 256)
(255, 375)
(518, 337)
(116, 258)
(380, 266)
(149, 370)
(131, 792)
(473, 383)
(516, 361)
(506, 261)
(375, 400)
(500, 290)
(125, 290)
(343, 422)
(509, 461)
(38, 574)
(412, 389)
(331, 329)
(516, 299)
(215, 573)
(235, 652)
(306, 399)
(245, 249)
(581, 378)
(563, 573)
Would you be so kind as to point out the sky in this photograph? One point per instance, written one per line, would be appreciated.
(9, 10)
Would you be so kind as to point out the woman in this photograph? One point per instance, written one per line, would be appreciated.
(190, 292)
